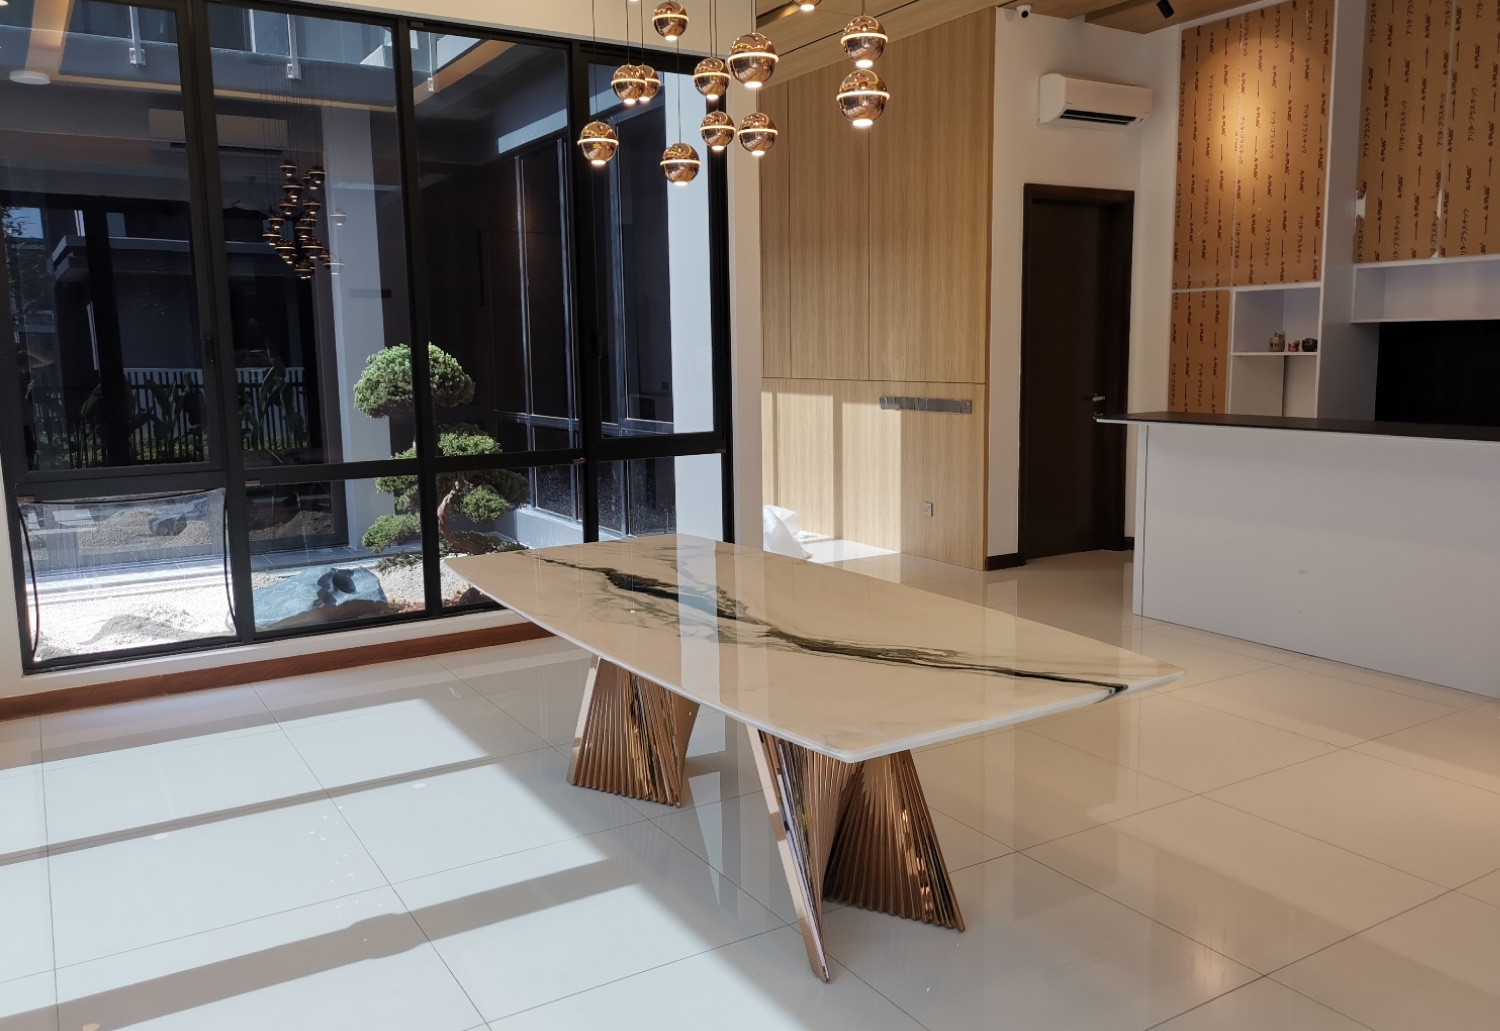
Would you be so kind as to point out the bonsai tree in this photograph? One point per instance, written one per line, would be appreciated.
(384, 390)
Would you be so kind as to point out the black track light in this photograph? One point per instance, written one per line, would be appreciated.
(1165, 7)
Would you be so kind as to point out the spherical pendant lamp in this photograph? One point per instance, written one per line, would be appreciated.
(863, 41)
(650, 82)
(718, 131)
(752, 59)
(680, 163)
(598, 143)
(628, 83)
(757, 133)
(711, 77)
(669, 20)
(862, 97)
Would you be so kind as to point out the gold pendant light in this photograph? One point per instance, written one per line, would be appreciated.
(808, 6)
(752, 59)
(864, 40)
(629, 83)
(598, 143)
(680, 163)
(717, 130)
(862, 96)
(757, 133)
(669, 20)
(711, 77)
(650, 83)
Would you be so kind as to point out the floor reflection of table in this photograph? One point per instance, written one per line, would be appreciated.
(836, 676)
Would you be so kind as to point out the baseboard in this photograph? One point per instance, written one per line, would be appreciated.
(88, 696)
(1010, 561)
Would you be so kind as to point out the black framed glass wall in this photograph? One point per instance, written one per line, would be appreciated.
(227, 224)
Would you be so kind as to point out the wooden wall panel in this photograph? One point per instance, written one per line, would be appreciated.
(1199, 357)
(875, 260)
(1404, 109)
(829, 259)
(1252, 147)
(1471, 223)
(929, 222)
(808, 453)
(775, 242)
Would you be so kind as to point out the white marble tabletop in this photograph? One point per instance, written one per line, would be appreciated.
(845, 664)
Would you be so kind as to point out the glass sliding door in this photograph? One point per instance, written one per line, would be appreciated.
(111, 442)
(314, 233)
(300, 303)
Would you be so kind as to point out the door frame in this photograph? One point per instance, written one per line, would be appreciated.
(1109, 512)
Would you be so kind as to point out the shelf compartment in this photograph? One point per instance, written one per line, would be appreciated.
(1293, 309)
(1434, 290)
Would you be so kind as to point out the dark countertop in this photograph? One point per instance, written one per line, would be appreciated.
(1431, 431)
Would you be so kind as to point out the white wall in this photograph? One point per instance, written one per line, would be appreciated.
(1141, 159)
(552, 17)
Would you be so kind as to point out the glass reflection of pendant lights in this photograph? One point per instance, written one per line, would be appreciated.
(291, 229)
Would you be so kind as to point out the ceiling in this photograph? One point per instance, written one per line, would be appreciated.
(809, 40)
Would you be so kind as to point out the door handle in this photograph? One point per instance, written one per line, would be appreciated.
(1097, 398)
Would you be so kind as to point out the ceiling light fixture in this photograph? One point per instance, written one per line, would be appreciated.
(864, 40)
(680, 163)
(711, 77)
(598, 143)
(1165, 8)
(862, 96)
(757, 133)
(669, 20)
(717, 130)
(752, 59)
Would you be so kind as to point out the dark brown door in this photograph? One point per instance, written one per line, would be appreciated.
(1075, 345)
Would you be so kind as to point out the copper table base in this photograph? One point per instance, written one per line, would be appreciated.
(858, 833)
(632, 736)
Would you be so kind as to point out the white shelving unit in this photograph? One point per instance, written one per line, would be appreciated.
(1266, 382)
(1428, 289)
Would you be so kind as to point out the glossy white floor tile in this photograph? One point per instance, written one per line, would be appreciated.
(89, 735)
(1337, 711)
(1463, 746)
(142, 788)
(497, 808)
(1435, 828)
(342, 693)
(408, 737)
(534, 927)
(544, 699)
(1486, 888)
(20, 746)
(23, 815)
(246, 858)
(114, 897)
(25, 919)
(1023, 789)
(1433, 967)
(1041, 952)
(29, 1003)
(1256, 892)
(1391, 682)
(356, 962)
(760, 984)
(1263, 1005)
(1191, 746)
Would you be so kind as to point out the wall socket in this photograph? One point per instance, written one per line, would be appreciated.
(927, 509)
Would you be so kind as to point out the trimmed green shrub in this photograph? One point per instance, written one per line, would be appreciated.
(384, 388)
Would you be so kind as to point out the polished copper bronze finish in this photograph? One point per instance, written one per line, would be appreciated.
(632, 736)
(859, 833)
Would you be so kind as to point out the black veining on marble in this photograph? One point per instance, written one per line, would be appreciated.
(726, 609)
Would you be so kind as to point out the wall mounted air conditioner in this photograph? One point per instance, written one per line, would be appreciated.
(1105, 105)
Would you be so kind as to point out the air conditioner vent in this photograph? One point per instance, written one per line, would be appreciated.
(1104, 105)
